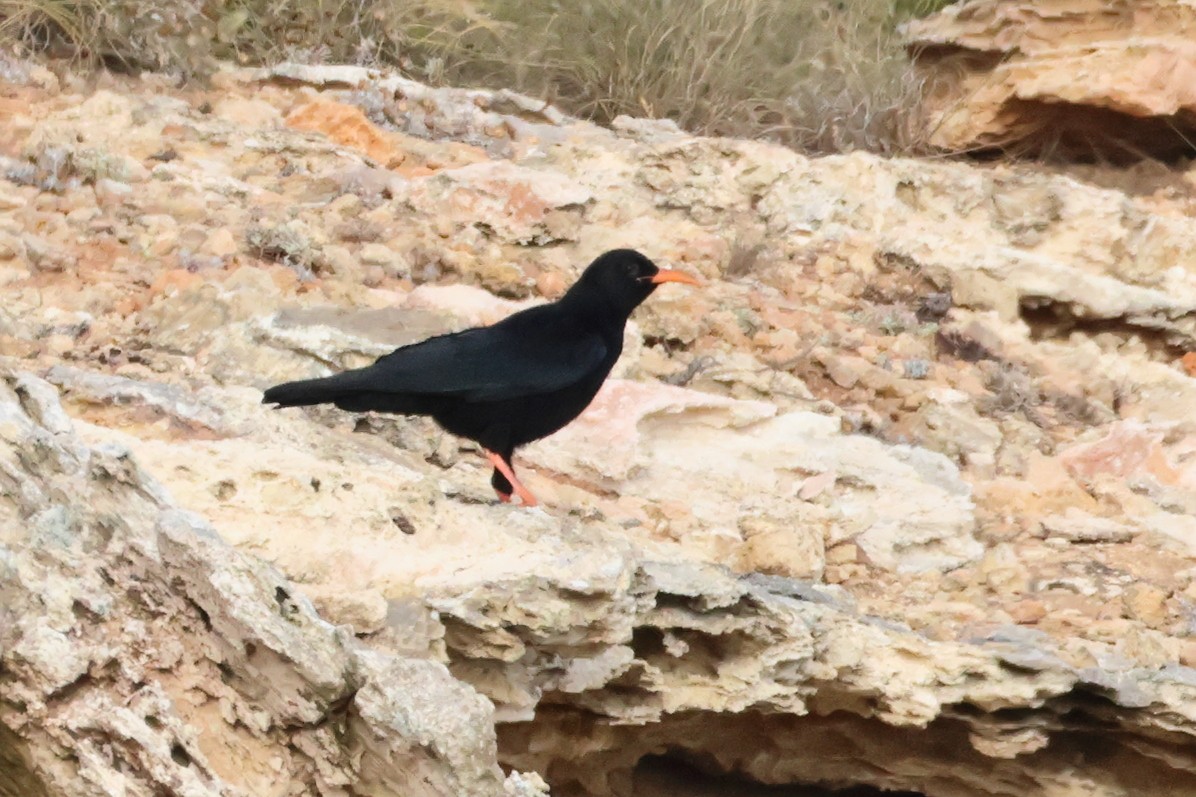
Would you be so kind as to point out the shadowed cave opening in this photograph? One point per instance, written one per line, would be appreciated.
(1053, 320)
(678, 773)
(839, 753)
(17, 778)
(747, 754)
(1067, 132)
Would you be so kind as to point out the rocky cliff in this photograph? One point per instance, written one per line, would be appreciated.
(1071, 79)
(903, 499)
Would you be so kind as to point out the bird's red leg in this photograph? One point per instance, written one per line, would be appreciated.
(504, 497)
(506, 470)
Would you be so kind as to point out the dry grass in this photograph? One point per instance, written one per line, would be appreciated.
(820, 75)
(190, 36)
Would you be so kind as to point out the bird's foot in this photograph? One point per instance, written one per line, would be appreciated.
(505, 469)
(504, 497)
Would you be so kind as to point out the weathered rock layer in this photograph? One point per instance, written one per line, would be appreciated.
(143, 655)
(1068, 79)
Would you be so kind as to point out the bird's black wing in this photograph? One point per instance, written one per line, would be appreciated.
(514, 358)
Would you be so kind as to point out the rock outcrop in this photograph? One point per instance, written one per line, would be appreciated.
(1061, 78)
(903, 499)
(140, 654)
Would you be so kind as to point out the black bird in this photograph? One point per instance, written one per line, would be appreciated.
(508, 384)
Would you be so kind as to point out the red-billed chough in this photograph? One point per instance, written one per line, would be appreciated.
(508, 384)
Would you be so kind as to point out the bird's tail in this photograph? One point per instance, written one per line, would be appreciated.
(354, 391)
(306, 392)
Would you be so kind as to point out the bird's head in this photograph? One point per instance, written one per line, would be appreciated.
(622, 279)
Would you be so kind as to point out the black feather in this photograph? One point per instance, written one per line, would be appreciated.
(507, 384)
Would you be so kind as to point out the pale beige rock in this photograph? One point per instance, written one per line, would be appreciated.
(657, 440)
(740, 375)
(365, 612)
(247, 113)
(471, 113)
(10, 199)
(973, 288)
(958, 431)
(1083, 264)
(1145, 602)
(584, 563)
(1082, 76)
(173, 661)
(11, 247)
(1077, 526)
(516, 204)
(787, 545)
(377, 255)
(220, 243)
(111, 193)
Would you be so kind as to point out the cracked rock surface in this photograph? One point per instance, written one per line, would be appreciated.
(141, 654)
(1074, 79)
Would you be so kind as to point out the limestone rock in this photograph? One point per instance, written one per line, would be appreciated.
(347, 126)
(143, 653)
(913, 503)
(652, 441)
(469, 116)
(514, 204)
(247, 113)
(1063, 77)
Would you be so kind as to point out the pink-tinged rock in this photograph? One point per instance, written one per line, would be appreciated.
(611, 427)
(728, 460)
(1128, 450)
(816, 485)
(512, 203)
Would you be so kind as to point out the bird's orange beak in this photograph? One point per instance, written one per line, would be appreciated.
(669, 275)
